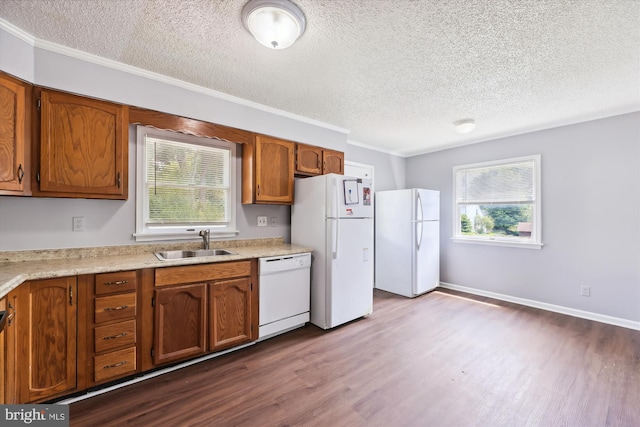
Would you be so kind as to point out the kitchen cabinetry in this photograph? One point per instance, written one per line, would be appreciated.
(230, 317)
(83, 147)
(267, 171)
(311, 161)
(210, 302)
(3, 363)
(45, 346)
(112, 327)
(332, 162)
(180, 323)
(15, 136)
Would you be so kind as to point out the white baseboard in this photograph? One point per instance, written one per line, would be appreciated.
(625, 323)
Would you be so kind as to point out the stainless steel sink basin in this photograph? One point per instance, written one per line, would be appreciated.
(167, 255)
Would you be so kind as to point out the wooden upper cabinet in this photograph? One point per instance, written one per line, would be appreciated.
(267, 171)
(83, 150)
(308, 160)
(332, 162)
(312, 161)
(15, 136)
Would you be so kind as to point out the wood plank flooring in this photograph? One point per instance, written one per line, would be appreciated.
(442, 359)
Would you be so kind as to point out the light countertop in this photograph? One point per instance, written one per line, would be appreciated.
(20, 266)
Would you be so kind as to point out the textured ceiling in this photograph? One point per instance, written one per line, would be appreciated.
(396, 73)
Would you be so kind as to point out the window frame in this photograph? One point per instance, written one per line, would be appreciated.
(535, 241)
(145, 233)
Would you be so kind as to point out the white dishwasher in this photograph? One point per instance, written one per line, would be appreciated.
(285, 288)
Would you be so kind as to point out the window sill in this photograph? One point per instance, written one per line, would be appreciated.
(493, 242)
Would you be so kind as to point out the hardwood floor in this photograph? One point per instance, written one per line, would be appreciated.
(442, 359)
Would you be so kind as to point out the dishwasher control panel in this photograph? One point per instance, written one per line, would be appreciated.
(283, 263)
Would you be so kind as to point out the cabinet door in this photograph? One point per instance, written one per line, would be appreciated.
(333, 162)
(14, 136)
(48, 336)
(308, 160)
(180, 322)
(274, 170)
(83, 147)
(11, 374)
(230, 317)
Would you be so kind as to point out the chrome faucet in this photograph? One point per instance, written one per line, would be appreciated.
(205, 237)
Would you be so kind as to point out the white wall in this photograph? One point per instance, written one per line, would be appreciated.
(389, 170)
(590, 218)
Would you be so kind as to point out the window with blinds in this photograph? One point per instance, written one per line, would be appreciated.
(498, 202)
(185, 184)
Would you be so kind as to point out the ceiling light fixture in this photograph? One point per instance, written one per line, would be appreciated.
(464, 126)
(276, 24)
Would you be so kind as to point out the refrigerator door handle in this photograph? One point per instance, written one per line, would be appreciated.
(419, 220)
(335, 232)
(336, 199)
(419, 202)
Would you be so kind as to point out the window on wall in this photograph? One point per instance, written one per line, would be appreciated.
(185, 184)
(498, 202)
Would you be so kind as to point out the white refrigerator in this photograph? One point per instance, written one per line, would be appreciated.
(333, 214)
(407, 241)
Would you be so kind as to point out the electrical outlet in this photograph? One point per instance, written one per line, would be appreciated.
(273, 221)
(585, 291)
(78, 223)
(262, 221)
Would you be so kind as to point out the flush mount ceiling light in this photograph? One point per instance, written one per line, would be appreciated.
(276, 24)
(464, 126)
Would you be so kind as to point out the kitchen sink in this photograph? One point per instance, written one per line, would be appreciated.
(167, 255)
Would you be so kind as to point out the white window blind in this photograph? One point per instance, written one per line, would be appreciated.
(501, 184)
(187, 183)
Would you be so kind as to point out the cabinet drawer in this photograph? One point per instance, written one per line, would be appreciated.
(116, 335)
(114, 364)
(201, 273)
(115, 307)
(110, 283)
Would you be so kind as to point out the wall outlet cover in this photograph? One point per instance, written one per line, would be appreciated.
(262, 221)
(78, 223)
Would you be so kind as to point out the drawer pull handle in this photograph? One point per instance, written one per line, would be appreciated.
(122, 307)
(20, 173)
(115, 365)
(124, 334)
(116, 283)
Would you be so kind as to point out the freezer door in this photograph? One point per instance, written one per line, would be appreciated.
(349, 197)
(427, 205)
(349, 285)
(426, 262)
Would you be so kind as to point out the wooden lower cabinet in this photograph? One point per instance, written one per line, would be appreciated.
(230, 314)
(180, 323)
(112, 327)
(69, 334)
(46, 315)
(203, 308)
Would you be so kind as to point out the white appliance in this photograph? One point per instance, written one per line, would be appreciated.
(333, 214)
(407, 241)
(284, 293)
